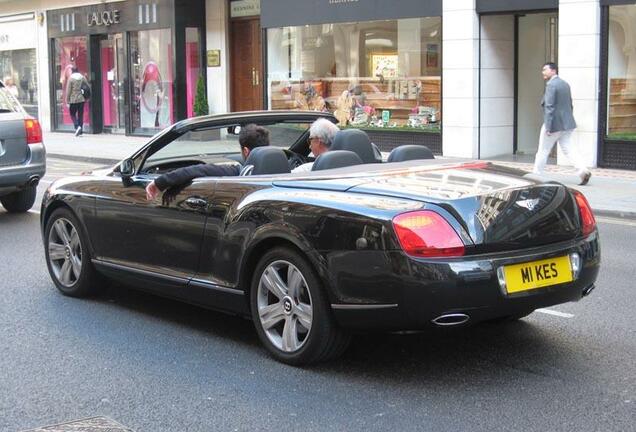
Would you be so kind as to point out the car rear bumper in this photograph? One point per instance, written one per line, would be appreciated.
(413, 293)
(15, 177)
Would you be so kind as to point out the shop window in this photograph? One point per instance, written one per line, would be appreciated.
(369, 74)
(152, 73)
(193, 66)
(621, 70)
(18, 72)
(69, 52)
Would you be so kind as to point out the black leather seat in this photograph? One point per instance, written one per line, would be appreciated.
(266, 160)
(410, 152)
(336, 159)
(357, 141)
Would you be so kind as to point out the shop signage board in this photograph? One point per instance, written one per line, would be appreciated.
(245, 8)
(214, 58)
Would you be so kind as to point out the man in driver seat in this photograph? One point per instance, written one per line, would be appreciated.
(250, 137)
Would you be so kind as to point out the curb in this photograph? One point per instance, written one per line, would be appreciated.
(616, 214)
(90, 159)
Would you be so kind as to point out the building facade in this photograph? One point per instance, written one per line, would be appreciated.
(461, 76)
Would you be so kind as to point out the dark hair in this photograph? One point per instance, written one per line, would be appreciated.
(551, 65)
(74, 69)
(252, 136)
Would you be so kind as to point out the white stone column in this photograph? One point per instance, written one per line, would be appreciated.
(460, 85)
(217, 38)
(497, 75)
(579, 48)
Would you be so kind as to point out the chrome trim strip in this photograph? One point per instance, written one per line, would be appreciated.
(139, 271)
(362, 306)
(210, 285)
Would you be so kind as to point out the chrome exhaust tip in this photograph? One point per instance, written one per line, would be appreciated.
(447, 320)
(588, 290)
(33, 181)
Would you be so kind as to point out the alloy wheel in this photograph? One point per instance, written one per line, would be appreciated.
(65, 252)
(284, 306)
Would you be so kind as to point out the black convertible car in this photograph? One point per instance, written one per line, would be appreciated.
(355, 244)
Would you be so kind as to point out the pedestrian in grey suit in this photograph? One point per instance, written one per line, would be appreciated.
(558, 124)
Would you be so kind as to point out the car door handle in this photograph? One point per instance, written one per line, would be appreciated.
(196, 203)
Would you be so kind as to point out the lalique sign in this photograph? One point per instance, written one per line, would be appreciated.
(104, 18)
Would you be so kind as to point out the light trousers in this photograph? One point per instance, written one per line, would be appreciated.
(546, 142)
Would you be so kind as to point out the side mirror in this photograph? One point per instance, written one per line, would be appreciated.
(127, 168)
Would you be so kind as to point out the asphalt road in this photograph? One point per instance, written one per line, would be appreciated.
(157, 365)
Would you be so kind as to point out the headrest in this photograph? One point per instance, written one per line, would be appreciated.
(266, 160)
(410, 152)
(356, 141)
(336, 159)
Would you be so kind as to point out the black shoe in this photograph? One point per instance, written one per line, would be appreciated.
(585, 178)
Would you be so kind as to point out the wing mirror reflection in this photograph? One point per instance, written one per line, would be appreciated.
(127, 168)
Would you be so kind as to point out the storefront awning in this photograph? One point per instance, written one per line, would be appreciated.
(282, 13)
(498, 6)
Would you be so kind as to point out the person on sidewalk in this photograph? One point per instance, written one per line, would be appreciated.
(558, 124)
(75, 99)
(250, 137)
(321, 135)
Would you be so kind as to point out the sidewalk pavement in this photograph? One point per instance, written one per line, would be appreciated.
(610, 192)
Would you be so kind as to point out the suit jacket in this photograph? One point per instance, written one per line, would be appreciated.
(557, 106)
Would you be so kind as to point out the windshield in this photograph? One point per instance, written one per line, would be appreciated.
(223, 141)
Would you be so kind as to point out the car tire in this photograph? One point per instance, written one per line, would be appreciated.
(20, 201)
(286, 297)
(67, 255)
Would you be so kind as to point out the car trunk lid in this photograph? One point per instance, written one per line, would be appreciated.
(13, 145)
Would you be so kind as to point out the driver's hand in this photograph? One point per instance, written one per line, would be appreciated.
(152, 191)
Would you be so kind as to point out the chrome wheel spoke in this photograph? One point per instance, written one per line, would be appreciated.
(56, 251)
(304, 314)
(290, 336)
(65, 272)
(271, 315)
(274, 283)
(76, 265)
(294, 282)
(74, 242)
(60, 229)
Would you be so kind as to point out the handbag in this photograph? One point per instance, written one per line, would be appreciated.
(86, 90)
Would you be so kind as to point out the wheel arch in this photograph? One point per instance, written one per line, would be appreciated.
(263, 244)
(57, 204)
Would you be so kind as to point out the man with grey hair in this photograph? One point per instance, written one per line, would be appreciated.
(321, 134)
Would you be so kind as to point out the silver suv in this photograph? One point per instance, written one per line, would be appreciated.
(22, 154)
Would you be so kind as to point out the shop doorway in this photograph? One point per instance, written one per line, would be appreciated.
(112, 83)
(537, 43)
(246, 65)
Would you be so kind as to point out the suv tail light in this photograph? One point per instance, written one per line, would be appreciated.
(588, 223)
(33, 131)
(427, 234)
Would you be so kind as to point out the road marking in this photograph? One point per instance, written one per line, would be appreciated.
(616, 221)
(34, 211)
(555, 313)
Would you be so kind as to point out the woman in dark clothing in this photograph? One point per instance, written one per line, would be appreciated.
(250, 137)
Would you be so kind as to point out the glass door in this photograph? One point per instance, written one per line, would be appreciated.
(113, 64)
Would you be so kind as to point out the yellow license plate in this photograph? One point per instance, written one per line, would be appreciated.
(537, 274)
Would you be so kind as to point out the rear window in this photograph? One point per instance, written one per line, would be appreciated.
(8, 102)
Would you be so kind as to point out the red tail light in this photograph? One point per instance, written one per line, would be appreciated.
(33, 131)
(588, 223)
(427, 234)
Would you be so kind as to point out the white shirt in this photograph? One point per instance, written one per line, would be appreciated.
(306, 167)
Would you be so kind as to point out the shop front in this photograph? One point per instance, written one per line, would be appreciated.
(617, 128)
(375, 65)
(142, 59)
(18, 58)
